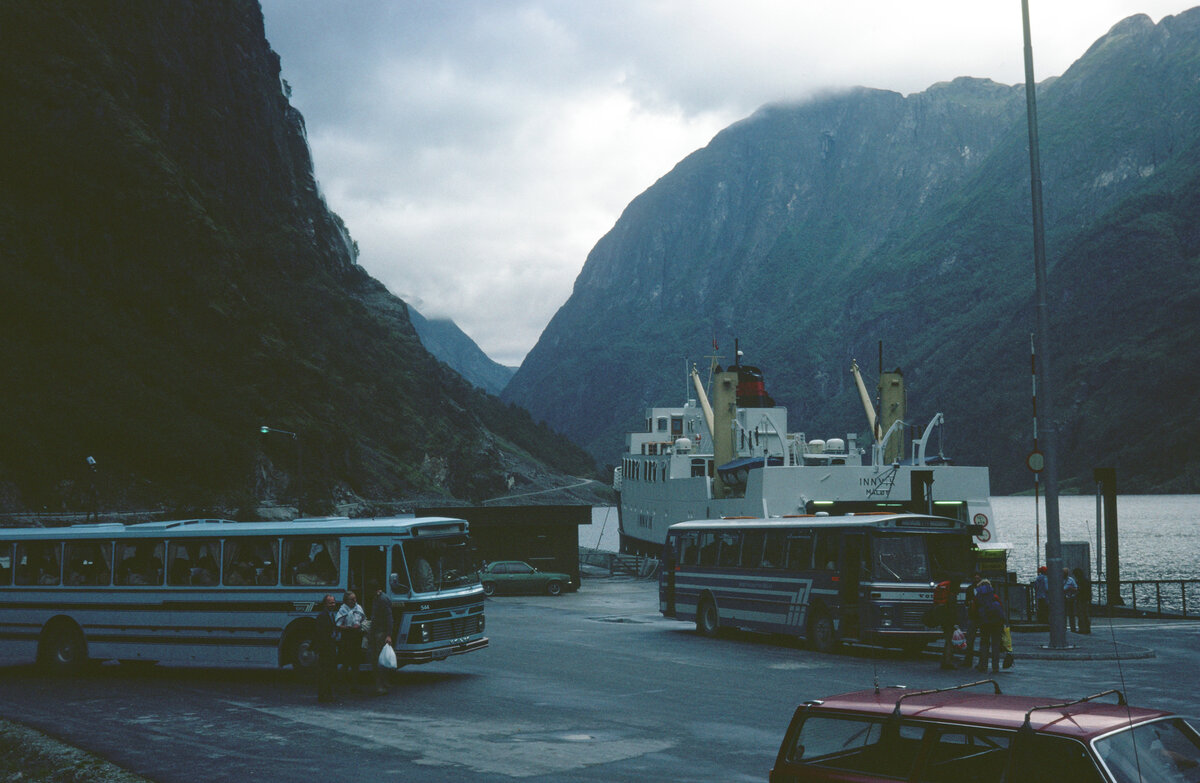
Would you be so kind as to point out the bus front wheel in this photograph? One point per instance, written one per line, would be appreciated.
(820, 632)
(63, 647)
(708, 622)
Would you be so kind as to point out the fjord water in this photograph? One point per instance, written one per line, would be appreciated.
(1159, 534)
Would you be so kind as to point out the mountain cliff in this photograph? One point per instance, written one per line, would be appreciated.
(813, 231)
(173, 282)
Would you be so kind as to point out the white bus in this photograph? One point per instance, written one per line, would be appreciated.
(213, 591)
(866, 578)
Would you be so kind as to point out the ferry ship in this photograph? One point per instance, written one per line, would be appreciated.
(735, 457)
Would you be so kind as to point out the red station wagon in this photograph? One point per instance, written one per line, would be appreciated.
(974, 734)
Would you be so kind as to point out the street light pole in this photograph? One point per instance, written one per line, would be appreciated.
(1058, 631)
(265, 430)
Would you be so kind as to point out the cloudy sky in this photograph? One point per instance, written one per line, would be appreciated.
(478, 149)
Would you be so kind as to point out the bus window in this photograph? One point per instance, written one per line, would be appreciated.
(799, 551)
(193, 562)
(88, 563)
(900, 559)
(730, 549)
(825, 550)
(948, 555)
(140, 563)
(6, 564)
(39, 563)
(689, 549)
(251, 561)
(752, 548)
(708, 549)
(399, 578)
(773, 549)
(424, 566)
(310, 561)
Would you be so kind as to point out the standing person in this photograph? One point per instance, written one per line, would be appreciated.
(1070, 593)
(381, 634)
(991, 622)
(349, 620)
(973, 627)
(325, 645)
(1041, 593)
(1083, 600)
(945, 601)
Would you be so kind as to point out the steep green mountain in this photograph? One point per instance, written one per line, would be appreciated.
(173, 280)
(814, 231)
(442, 338)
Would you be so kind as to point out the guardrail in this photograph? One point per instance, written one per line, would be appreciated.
(1169, 597)
(1173, 598)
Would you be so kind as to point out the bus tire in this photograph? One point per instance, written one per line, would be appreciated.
(489, 588)
(300, 648)
(708, 621)
(554, 587)
(62, 647)
(820, 631)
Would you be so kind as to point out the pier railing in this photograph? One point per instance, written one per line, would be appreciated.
(1159, 597)
(1173, 598)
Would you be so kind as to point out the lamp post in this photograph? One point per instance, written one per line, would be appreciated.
(265, 430)
(1058, 631)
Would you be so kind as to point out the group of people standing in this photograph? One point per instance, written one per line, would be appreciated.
(339, 641)
(986, 621)
(1077, 598)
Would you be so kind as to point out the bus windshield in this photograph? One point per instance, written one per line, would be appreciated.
(438, 565)
(917, 558)
(899, 559)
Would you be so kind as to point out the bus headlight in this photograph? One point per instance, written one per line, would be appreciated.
(424, 632)
(885, 617)
(480, 622)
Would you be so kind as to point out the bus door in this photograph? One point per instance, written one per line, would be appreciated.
(853, 563)
(670, 559)
(368, 573)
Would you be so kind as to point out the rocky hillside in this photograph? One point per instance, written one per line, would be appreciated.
(814, 231)
(173, 281)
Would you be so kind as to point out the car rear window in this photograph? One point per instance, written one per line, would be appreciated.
(872, 746)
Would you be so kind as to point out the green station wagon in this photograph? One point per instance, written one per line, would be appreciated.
(967, 735)
(517, 576)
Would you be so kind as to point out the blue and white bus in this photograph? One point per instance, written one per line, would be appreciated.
(864, 578)
(213, 591)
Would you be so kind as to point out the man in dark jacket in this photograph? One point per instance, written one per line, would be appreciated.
(325, 646)
(381, 634)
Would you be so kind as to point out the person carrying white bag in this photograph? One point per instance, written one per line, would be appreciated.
(381, 639)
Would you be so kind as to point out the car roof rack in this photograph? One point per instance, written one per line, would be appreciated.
(995, 685)
(1120, 702)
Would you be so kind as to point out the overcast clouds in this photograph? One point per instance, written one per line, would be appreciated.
(478, 150)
